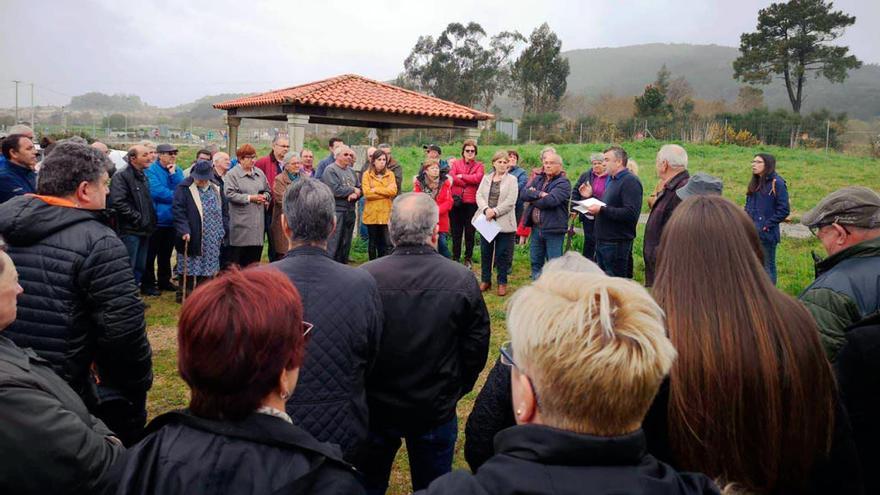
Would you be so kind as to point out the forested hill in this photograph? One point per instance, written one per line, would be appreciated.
(626, 70)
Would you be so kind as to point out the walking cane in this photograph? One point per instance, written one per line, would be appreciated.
(571, 227)
(185, 256)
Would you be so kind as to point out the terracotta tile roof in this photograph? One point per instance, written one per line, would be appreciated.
(358, 93)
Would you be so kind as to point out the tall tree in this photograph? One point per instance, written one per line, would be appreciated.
(540, 72)
(749, 98)
(791, 41)
(458, 67)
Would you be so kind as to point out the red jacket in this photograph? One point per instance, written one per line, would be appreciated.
(471, 175)
(271, 167)
(444, 202)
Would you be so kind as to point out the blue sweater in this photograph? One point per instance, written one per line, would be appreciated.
(617, 220)
(162, 186)
(15, 180)
(769, 207)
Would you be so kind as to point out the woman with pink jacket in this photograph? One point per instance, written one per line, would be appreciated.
(466, 174)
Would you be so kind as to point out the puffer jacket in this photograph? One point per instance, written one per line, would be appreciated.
(260, 454)
(80, 303)
(50, 441)
(769, 207)
(471, 174)
(379, 190)
(162, 186)
(846, 290)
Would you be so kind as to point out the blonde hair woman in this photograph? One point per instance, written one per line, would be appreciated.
(496, 199)
(587, 354)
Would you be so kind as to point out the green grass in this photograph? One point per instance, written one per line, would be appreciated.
(810, 176)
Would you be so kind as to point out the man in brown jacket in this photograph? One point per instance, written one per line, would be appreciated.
(672, 162)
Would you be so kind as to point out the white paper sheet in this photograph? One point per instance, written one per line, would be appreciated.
(583, 204)
(488, 229)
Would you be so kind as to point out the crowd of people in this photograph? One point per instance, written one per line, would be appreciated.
(307, 375)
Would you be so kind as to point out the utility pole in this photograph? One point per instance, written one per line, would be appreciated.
(33, 117)
(16, 100)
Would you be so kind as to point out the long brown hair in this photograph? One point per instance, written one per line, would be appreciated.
(757, 182)
(752, 394)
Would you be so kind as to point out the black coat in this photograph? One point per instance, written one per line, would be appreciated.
(50, 442)
(330, 400)
(838, 473)
(553, 207)
(131, 201)
(617, 220)
(667, 201)
(858, 373)
(492, 412)
(261, 454)
(80, 304)
(435, 339)
(188, 217)
(538, 459)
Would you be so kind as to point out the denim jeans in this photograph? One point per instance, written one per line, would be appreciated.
(443, 246)
(615, 258)
(544, 247)
(769, 249)
(137, 251)
(430, 455)
(501, 250)
(363, 231)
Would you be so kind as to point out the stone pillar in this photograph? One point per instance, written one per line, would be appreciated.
(296, 130)
(472, 133)
(384, 136)
(232, 124)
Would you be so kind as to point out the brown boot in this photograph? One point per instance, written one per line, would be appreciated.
(502, 290)
(484, 286)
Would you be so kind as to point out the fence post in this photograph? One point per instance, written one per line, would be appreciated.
(827, 134)
(581, 136)
(530, 134)
(725, 131)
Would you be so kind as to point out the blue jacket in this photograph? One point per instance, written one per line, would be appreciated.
(15, 180)
(617, 220)
(162, 186)
(323, 164)
(768, 208)
(553, 206)
(522, 177)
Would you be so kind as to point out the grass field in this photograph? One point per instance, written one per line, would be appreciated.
(810, 176)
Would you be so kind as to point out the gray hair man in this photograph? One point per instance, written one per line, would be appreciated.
(847, 223)
(57, 240)
(344, 184)
(434, 345)
(672, 174)
(343, 304)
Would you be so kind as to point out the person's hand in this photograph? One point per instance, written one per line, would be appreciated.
(257, 198)
(352, 197)
(542, 194)
(572, 215)
(357, 192)
(172, 168)
(490, 214)
(586, 190)
(186, 237)
(594, 209)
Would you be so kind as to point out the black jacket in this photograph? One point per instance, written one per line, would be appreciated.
(131, 202)
(188, 217)
(617, 220)
(492, 412)
(50, 442)
(80, 303)
(666, 203)
(342, 302)
(553, 207)
(538, 459)
(435, 339)
(838, 473)
(858, 374)
(261, 454)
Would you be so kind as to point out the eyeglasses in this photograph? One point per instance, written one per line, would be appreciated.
(507, 360)
(172, 153)
(248, 157)
(815, 229)
(307, 329)
(347, 154)
(470, 151)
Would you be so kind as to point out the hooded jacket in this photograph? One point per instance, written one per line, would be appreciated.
(80, 303)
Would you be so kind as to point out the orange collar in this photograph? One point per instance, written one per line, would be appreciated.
(55, 201)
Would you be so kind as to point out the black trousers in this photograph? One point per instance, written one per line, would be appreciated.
(245, 255)
(379, 243)
(460, 223)
(159, 253)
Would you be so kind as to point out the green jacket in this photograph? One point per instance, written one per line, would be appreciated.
(846, 290)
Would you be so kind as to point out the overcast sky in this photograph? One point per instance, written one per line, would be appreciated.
(172, 52)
